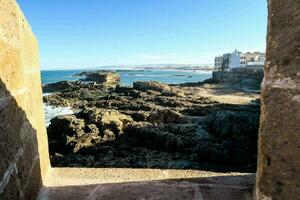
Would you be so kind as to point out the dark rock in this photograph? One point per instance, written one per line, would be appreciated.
(233, 124)
(62, 133)
(163, 116)
(152, 125)
(57, 87)
(153, 137)
(106, 119)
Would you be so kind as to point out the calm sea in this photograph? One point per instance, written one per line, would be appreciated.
(130, 76)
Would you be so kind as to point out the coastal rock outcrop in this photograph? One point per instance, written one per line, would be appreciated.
(106, 119)
(102, 77)
(75, 133)
(237, 129)
(148, 135)
(158, 87)
(163, 116)
(152, 125)
(64, 133)
(58, 86)
(122, 131)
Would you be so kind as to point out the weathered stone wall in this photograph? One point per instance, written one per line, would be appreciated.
(238, 75)
(278, 175)
(23, 162)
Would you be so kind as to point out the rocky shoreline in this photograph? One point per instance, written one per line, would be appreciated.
(154, 125)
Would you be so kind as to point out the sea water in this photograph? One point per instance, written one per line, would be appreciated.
(130, 76)
(127, 79)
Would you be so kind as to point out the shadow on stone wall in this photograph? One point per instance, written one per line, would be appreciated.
(20, 176)
(213, 188)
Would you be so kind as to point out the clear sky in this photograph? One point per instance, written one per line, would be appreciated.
(86, 33)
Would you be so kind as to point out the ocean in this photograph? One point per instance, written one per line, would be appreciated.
(130, 76)
(127, 79)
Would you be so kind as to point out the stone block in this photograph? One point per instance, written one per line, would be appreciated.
(278, 174)
(21, 108)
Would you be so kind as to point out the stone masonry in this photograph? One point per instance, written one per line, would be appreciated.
(23, 162)
(278, 175)
(238, 75)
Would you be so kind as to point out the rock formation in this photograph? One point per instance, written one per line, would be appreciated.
(152, 125)
(101, 77)
(59, 86)
(156, 86)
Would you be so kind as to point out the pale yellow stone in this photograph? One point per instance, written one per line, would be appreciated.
(20, 73)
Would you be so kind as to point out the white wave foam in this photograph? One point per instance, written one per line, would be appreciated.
(46, 94)
(53, 111)
(146, 75)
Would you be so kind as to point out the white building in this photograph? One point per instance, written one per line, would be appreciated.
(247, 59)
(234, 60)
(228, 61)
(237, 59)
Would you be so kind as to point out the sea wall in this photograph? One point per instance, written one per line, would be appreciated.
(238, 74)
(278, 172)
(23, 141)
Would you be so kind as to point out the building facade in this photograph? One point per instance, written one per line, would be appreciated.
(237, 59)
(256, 58)
(243, 60)
(234, 60)
(228, 61)
(218, 63)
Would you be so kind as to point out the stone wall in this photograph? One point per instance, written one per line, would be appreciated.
(278, 175)
(23, 161)
(237, 75)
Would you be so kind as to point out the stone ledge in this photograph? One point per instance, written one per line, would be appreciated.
(115, 184)
(84, 176)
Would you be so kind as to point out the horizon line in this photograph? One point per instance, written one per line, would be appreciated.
(131, 66)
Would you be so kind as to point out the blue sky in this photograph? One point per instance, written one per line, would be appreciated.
(77, 34)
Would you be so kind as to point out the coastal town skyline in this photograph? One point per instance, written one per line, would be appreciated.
(100, 33)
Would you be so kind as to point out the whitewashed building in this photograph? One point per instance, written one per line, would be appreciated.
(228, 61)
(250, 59)
(237, 59)
(234, 60)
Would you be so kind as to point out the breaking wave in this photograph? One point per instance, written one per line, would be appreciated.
(54, 111)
